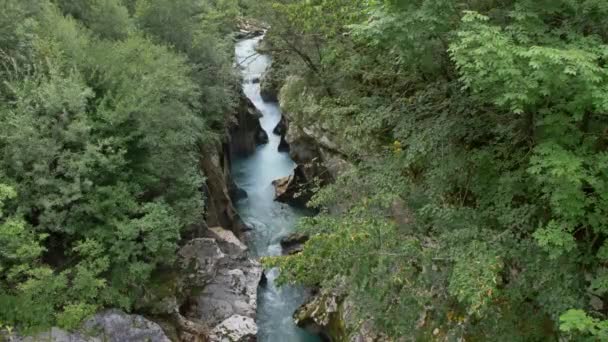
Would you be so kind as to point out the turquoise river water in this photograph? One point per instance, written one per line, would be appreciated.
(270, 220)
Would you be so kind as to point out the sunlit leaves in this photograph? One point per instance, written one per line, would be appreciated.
(521, 77)
(475, 277)
(579, 321)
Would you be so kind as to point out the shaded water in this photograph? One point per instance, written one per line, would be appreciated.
(270, 220)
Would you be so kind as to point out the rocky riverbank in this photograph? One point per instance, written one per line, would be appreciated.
(211, 293)
(320, 159)
(227, 279)
(332, 314)
(211, 296)
(244, 133)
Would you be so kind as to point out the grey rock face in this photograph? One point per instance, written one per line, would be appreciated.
(117, 326)
(334, 315)
(218, 187)
(200, 258)
(53, 335)
(293, 189)
(107, 326)
(235, 329)
(246, 131)
(312, 143)
(293, 243)
(228, 242)
(233, 291)
(228, 301)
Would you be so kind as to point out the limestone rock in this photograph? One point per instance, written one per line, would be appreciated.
(248, 28)
(235, 329)
(333, 315)
(281, 129)
(117, 326)
(228, 241)
(231, 291)
(292, 243)
(281, 186)
(246, 131)
(318, 311)
(200, 259)
(304, 149)
(107, 326)
(220, 210)
(54, 335)
(312, 144)
(292, 189)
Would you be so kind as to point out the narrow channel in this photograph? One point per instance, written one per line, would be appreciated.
(270, 220)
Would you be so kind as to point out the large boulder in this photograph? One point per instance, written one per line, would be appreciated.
(233, 291)
(293, 189)
(248, 28)
(53, 335)
(228, 242)
(333, 315)
(293, 243)
(281, 129)
(230, 293)
(246, 132)
(115, 325)
(200, 259)
(217, 281)
(321, 314)
(282, 186)
(107, 326)
(235, 329)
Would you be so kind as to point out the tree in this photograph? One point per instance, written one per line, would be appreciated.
(107, 18)
(101, 128)
(483, 122)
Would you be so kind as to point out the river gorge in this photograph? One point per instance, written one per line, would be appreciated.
(269, 219)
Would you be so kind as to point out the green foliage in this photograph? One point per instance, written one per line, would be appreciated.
(101, 127)
(578, 321)
(478, 136)
(197, 29)
(73, 315)
(106, 18)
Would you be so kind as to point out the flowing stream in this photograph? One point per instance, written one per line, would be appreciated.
(270, 220)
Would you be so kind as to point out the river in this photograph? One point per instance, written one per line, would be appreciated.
(270, 220)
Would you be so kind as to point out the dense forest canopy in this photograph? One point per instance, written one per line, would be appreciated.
(104, 105)
(476, 207)
(477, 204)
